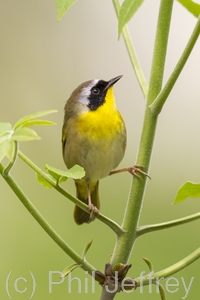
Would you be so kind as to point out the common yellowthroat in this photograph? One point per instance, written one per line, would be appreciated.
(94, 137)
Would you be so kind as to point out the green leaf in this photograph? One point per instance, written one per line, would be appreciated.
(21, 122)
(56, 173)
(5, 132)
(188, 189)
(7, 149)
(149, 264)
(5, 137)
(191, 6)
(85, 250)
(43, 182)
(5, 128)
(162, 292)
(126, 12)
(62, 179)
(62, 7)
(76, 172)
(25, 134)
(69, 269)
(39, 123)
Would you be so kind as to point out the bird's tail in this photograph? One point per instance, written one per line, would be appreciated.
(80, 216)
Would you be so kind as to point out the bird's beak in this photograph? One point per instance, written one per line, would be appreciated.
(112, 81)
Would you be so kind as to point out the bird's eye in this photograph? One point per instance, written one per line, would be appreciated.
(95, 91)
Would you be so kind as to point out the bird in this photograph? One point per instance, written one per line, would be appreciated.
(94, 137)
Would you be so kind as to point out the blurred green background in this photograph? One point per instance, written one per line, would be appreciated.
(42, 61)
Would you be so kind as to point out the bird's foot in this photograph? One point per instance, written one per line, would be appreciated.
(137, 169)
(93, 211)
(132, 170)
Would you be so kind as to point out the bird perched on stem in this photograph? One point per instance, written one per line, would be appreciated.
(94, 137)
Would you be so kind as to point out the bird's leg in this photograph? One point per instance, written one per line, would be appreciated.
(133, 170)
(93, 209)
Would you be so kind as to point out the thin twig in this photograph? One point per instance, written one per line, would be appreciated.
(160, 100)
(44, 224)
(132, 54)
(154, 277)
(112, 224)
(160, 226)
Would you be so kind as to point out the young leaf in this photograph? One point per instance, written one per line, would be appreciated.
(39, 123)
(55, 173)
(76, 172)
(5, 132)
(7, 149)
(127, 10)
(25, 134)
(162, 292)
(4, 138)
(43, 182)
(62, 7)
(191, 6)
(5, 128)
(149, 264)
(21, 122)
(85, 250)
(62, 179)
(188, 189)
(69, 269)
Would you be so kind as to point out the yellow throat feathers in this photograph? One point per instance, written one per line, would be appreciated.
(105, 121)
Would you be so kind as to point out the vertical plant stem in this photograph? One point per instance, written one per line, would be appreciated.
(107, 296)
(160, 49)
(125, 243)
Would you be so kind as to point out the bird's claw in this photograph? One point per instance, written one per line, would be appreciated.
(137, 169)
(93, 210)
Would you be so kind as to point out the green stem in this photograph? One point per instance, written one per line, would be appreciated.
(162, 97)
(126, 241)
(113, 225)
(160, 50)
(12, 162)
(160, 226)
(132, 53)
(152, 277)
(45, 225)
